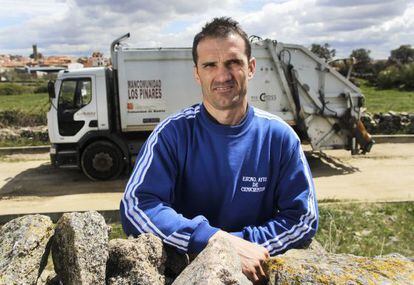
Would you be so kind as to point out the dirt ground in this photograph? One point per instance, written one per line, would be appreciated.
(29, 184)
(384, 174)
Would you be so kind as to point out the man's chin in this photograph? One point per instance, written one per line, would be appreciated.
(229, 105)
(224, 102)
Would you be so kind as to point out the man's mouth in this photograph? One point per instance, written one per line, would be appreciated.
(223, 89)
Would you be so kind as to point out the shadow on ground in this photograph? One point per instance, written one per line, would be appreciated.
(323, 165)
(46, 180)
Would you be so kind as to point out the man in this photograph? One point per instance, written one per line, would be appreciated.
(223, 168)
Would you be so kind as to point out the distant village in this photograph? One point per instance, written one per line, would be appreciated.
(38, 65)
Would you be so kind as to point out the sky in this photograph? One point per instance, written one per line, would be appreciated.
(79, 27)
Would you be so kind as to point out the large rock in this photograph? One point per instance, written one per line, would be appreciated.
(80, 248)
(217, 264)
(24, 247)
(318, 267)
(143, 260)
(136, 261)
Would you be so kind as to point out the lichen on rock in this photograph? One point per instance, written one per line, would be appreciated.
(24, 247)
(318, 267)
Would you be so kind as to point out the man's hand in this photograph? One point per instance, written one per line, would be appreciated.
(251, 255)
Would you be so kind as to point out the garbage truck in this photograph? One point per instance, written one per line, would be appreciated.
(100, 117)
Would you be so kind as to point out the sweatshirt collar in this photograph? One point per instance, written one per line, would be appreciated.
(211, 123)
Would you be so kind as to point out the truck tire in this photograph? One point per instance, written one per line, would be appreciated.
(102, 160)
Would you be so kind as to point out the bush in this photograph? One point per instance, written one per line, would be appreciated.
(41, 89)
(401, 77)
(388, 78)
(20, 119)
(12, 89)
(407, 76)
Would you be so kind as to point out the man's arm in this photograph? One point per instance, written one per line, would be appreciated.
(296, 219)
(149, 194)
(294, 223)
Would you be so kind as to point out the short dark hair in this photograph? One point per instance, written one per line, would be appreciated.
(221, 28)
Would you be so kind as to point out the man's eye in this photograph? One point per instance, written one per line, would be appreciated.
(208, 65)
(235, 62)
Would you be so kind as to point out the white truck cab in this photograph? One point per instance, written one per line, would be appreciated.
(100, 117)
(75, 111)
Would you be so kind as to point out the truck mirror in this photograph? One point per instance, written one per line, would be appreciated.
(51, 89)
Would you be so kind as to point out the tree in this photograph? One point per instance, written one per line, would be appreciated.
(363, 63)
(402, 55)
(323, 51)
(379, 65)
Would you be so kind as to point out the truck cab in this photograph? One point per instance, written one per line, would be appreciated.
(74, 110)
(79, 117)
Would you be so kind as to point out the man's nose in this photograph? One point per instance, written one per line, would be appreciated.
(223, 74)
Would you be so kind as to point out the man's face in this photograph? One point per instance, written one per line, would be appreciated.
(223, 71)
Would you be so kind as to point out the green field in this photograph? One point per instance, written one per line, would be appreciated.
(387, 100)
(369, 229)
(26, 103)
(21, 111)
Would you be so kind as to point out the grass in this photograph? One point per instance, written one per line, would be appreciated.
(377, 100)
(23, 110)
(26, 103)
(116, 231)
(365, 229)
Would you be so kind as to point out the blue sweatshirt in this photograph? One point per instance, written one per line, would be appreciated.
(194, 176)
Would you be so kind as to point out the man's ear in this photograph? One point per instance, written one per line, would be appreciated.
(252, 67)
(196, 76)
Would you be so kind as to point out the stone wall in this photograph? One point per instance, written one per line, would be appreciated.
(389, 123)
(79, 253)
(35, 134)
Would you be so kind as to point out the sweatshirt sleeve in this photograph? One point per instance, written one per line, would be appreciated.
(296, 218)
(149, 194)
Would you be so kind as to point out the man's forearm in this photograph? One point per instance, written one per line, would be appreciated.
(187, 235)
(252, 256)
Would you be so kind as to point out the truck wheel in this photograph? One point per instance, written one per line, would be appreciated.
(102, 160)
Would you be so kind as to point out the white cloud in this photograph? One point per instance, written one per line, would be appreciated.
(80, 27)
(361, 24)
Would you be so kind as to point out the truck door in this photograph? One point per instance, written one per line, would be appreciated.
(75, 94)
